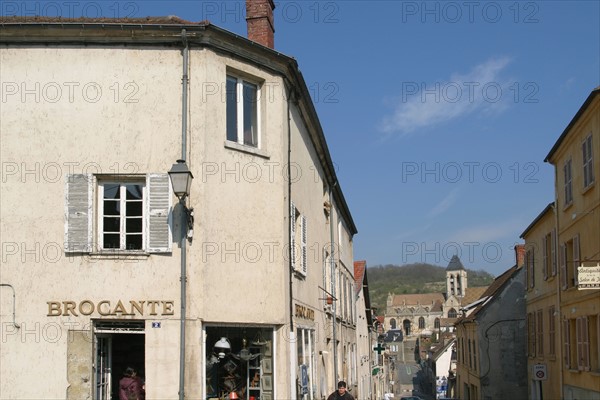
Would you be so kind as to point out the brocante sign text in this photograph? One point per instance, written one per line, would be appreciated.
(106, 307)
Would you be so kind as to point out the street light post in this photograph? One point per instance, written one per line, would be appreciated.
(181, 180)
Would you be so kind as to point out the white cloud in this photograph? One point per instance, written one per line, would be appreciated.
(443, 205)
(423, 104)
(489, 233)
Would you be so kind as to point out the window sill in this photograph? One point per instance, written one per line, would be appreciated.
(589, 187)
(299, 274)
(573, 371)
(247, 149)
(595, 373)
(120, 254)
(568, 205)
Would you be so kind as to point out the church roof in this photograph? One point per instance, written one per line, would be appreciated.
(417, 298)
(455, 264)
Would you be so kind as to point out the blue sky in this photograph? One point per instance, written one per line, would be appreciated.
(438, 115)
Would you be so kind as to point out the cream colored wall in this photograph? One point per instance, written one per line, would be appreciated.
(239, 201)
(76, 134)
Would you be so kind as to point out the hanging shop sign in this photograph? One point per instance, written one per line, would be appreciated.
(111, 308)
(588, 277)
(304, 312)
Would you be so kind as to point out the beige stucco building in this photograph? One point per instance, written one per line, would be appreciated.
(99, 269)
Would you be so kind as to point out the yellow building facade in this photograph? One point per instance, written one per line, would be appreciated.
(576, 160)
(541, 269)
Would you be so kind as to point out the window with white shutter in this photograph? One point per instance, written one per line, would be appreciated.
(158, 212)
(299, 241)
(303, 245)
(133, 213)
(78, 213)
(293, 235)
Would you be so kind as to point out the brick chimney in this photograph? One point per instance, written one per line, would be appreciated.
(520, 255)
(259, 18)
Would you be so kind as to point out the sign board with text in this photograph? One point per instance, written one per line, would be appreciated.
(588, 277)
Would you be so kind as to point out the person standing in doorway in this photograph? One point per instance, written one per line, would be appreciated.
(131, 386)
(341, 393)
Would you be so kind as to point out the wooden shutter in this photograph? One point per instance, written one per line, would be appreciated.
(566, 344)
(303, 245)
(158, 209)
(78, 213)
(563, 266)
(293, 235)
(545, 257)
(553, 251)
(583, 344)
(532, 268)
(575, 259)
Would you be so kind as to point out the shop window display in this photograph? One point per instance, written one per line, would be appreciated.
(239, 363)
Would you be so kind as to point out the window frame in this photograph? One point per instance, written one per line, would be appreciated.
(240, 112)
(123, 213)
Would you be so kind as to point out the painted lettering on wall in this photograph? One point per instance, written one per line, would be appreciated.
(304, 312)
(106, 307)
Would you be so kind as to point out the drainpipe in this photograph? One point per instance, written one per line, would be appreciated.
(183, 278)
(14, 304)
(293, 351)
(332, 261)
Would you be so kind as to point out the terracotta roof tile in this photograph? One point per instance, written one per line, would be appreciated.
(161, 20)
(359, 274)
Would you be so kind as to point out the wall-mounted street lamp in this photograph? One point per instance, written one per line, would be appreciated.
(181, 180)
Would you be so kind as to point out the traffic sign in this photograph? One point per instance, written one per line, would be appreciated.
(539, 372)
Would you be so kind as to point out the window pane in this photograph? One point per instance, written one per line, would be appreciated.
(111, 191)
(133, 242)
(231, 100)
(250, 115)
(112, 207)
(134, 192)
(133, 225)
(134, 208)
(112, 224)
(111, 241)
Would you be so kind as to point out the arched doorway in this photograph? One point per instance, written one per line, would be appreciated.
(406, 326)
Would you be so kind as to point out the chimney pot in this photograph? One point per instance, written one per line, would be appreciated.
(520, 255)
(259, 20)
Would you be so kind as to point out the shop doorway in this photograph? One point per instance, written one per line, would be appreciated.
(118, 345)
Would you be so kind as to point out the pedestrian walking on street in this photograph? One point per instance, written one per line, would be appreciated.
(341, 393)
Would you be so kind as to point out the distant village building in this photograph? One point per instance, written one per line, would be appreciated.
(425, 313)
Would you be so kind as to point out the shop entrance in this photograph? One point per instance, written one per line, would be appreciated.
(118, 345)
